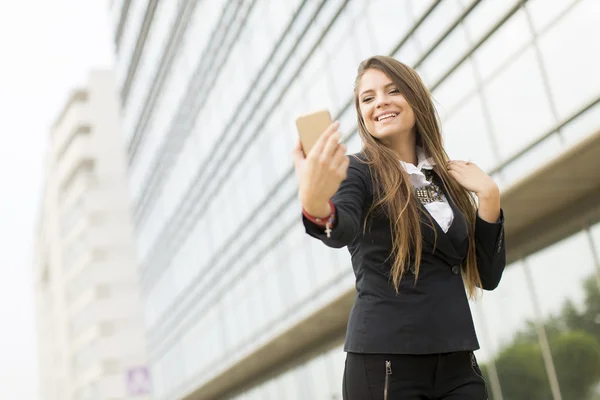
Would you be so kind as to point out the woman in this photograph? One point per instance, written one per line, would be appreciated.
(416, 237)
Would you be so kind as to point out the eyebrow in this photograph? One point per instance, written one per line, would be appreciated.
(371, 90)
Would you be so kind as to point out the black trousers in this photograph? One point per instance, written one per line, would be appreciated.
(448, 376)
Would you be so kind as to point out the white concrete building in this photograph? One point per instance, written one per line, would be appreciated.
(90, 324)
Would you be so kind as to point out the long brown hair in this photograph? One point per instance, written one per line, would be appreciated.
(393, 190)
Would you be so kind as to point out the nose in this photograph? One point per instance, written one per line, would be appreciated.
(381, 101)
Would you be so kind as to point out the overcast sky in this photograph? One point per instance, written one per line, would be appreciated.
(47, 48)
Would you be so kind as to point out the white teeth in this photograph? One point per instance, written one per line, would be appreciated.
(385, 116)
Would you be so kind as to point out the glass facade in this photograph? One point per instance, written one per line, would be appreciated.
(209, 127)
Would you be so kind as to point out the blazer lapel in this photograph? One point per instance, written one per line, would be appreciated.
(443, 241)
(436, 237)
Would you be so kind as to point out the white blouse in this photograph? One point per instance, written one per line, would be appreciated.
(439, 210)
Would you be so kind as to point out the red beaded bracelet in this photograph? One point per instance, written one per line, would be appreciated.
(325, 222)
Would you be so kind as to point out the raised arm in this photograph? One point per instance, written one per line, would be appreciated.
(489, 226)
(332, 189)
(491, 251)
(349, 203)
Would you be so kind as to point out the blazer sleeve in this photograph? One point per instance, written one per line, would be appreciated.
(349, 201)
(491, 251)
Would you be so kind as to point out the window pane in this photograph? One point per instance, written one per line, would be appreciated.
(484, 16)
(583, 126)
(571, 53)
(453, 47)
(466, 135)
(545, 12)
(437, 23)
(500, 316)
(569, 298)
(503, 44)
(518, 104)
(388, 21)
(452, 91)
(541, 154)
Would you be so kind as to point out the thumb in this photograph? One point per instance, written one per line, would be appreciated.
(298, 154)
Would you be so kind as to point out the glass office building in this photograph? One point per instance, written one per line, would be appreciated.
(239, 302)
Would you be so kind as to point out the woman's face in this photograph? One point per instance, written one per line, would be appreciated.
(385, 111)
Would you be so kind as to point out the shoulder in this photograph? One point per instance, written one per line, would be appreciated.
(359, 168)
(359, 161)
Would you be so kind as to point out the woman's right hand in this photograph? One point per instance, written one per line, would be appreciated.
(321, 171)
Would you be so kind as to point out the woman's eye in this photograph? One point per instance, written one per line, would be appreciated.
(367, 99)
(394, 91)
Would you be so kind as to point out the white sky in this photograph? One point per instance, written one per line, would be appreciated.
(47, 48)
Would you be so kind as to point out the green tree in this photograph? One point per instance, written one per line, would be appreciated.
(521, 372)
(577, 361)
(574, 338)
(587, 320)
(554, 327)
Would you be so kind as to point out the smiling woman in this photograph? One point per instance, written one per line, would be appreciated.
(388, 124)
(417, 238)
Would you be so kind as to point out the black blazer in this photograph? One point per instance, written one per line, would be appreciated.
(430, 317)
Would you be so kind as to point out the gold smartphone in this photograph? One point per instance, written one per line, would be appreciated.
(311, 126)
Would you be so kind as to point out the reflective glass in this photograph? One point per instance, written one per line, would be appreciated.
(519, 107)
(467, 137)
(437, 23)
(544, 13)
(454, 90)
(485, 15)
(446, 55)
(542, 153)
(500, 317)
(582, 126)
(501, 47)
(388, 22)
(571, 56)
(236, 266)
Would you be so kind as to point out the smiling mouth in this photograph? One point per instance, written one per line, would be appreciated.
(386, 117)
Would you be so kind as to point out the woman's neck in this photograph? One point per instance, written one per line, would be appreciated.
(406, 149)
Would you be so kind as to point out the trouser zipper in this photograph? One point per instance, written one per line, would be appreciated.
(474, 367)
(388, 372)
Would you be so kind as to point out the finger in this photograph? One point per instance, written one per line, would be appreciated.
(454, 175)
(298, 153)
(457, 162)
(318, 147)
(452, 167)
(342, 169)
(457, 166)
(331, 146)
(457, 173)
(338, 157)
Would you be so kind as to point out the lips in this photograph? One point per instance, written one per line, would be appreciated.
(386, 116)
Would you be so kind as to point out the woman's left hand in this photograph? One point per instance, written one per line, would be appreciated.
(472, 178)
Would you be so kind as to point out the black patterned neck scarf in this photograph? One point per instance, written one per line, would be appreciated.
(431, 192)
